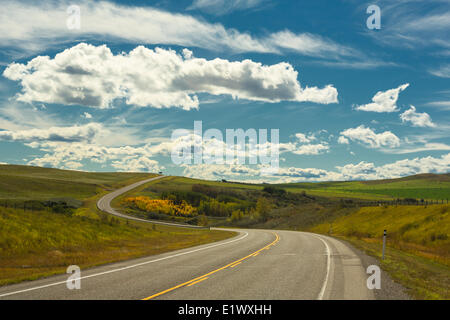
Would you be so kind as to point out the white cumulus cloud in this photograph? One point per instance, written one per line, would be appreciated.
(137, 164)
(369, 138)
(417, 119)
(384, 101)
(87, 115)
(312, 149)
(353, 171)
(93, 76)
(343, 140)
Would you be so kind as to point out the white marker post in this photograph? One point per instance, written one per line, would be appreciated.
(384, 244)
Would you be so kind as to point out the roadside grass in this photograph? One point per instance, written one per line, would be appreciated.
(38, 244)
(423, 278)
(418, 247)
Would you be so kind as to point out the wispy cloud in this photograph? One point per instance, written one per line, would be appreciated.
(26, 29)
(412, 23)
(443, 105)
(221, 7)
(431, 146)
(443, 71)
(84, 133)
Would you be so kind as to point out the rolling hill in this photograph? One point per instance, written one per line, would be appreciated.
(49, 220)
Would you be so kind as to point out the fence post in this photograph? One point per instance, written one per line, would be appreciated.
(384, 244)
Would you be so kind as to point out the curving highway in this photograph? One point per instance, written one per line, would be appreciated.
(256, 264)
(104, 204)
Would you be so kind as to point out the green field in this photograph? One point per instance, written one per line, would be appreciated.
(423, 186)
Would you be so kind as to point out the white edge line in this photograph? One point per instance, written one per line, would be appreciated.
(325, 281)
(124, 268)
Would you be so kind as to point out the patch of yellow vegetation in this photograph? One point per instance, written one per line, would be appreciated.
(168, 207)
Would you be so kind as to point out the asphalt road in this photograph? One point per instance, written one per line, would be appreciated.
(256, 264)
(104, 204)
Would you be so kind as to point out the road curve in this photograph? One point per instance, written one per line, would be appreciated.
(104, 204)
(256, 264)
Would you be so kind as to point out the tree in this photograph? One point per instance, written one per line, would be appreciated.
(203, 220)
(237, 215)
(263, 207)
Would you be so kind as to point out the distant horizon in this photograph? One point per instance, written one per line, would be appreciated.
(227, 180)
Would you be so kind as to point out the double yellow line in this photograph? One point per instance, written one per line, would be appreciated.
(205, 276)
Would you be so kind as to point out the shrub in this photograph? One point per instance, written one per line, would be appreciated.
(162, 206)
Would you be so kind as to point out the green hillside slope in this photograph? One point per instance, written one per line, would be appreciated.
(58, 223)
(423, 186)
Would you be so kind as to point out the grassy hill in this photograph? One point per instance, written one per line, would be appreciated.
(36, 183)
(418, 246)
(317, 202)
(58, 223)
(422, 186)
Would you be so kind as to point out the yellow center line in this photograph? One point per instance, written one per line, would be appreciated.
(193, 281)
(234, 265)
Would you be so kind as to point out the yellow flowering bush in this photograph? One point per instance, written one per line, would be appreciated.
(162, 206)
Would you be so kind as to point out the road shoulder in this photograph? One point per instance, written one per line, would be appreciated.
(390, 290)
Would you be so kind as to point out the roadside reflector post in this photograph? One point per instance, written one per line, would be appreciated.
(384, 244)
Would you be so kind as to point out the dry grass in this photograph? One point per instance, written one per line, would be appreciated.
(38, 244)
(418, 246)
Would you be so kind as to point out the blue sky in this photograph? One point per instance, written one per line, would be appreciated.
(349, 102)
